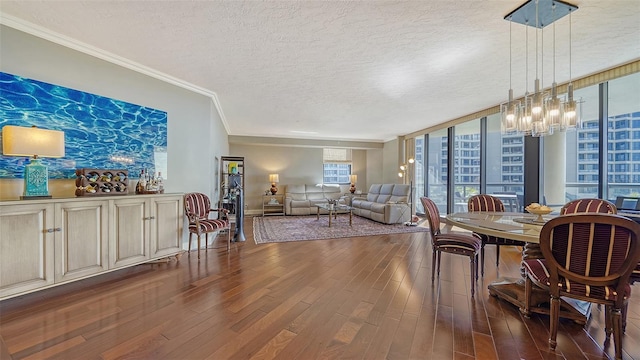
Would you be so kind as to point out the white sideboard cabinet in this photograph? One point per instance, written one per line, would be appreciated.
(44, 243)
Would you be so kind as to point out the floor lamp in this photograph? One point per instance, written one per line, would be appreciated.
(405, 171)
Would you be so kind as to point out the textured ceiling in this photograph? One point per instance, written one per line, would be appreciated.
(350, 70)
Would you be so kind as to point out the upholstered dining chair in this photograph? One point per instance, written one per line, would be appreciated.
(460, 243)
(197, 207)
(588, 206)
(588, 257)
(484, 202)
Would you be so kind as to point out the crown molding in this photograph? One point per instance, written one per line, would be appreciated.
(44, 33)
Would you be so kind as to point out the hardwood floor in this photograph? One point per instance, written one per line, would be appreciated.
(356, 298)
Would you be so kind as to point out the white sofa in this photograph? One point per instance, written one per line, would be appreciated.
(385, 203)
(301, 199)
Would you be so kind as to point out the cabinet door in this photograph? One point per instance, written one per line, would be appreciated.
(166, 221)
(129, 235)
(82, 242)
(26, 248)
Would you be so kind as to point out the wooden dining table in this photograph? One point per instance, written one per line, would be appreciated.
(521, 227)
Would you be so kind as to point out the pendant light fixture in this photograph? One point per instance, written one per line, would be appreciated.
(540, 113)
(553, 104)
(571, 116)
(510, 110)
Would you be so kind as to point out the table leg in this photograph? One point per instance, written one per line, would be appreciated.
(317, 213)
(330, 214)
(350, 218)
(512, 290)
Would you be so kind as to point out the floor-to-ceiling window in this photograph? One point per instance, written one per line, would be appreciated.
(504, 164)
(419, 180)
(466, 162)
(573, 161)
(580, 163)
(623, 137)
(436, 168)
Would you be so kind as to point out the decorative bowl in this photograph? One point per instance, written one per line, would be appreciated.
(539, 211)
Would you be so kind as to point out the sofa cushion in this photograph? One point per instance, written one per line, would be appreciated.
(316, 196)
(299, 203)
(375, 188)
(297, 196)
(362, 204)
(377, 207)
(295, 192)
(313, 189)
(297, 189)
(387, 189)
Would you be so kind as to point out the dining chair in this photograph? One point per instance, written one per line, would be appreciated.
(461, 243)
(588, 206)
(593, 205)
(484, 202)
(197, 207)
(588, 257)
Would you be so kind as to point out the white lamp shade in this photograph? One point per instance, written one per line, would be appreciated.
(274, 178)
(353, 178)
(32, 141)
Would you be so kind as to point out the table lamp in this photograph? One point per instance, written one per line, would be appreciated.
(35, 143)
(273, 179)
(353, 179)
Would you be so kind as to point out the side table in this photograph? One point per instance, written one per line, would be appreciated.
(273, 204)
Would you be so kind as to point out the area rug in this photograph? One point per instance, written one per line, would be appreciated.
(298, 228)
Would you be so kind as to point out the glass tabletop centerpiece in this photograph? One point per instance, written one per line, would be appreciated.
(537, 209)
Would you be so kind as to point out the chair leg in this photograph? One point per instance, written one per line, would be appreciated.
(482, 257)
(608, 321)
(229, 238)
(497, 255)
(433, 265)
(477, 260)
(527, 295)
(206, 241)
(198, 246)
(472, 263)
(617, 332)
(190, 242)
(439, 262)
(624, 316)
(553, 320)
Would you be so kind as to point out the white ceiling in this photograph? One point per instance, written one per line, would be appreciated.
(346, 70)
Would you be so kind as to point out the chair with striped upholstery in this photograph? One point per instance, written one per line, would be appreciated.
(588, 257)
(460, 243)
(485, 202)
(197, 207)
(588, 206)
(605, 207)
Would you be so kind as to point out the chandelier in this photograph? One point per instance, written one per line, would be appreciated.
(540, 113)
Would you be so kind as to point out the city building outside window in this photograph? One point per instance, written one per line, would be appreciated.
(336, 166)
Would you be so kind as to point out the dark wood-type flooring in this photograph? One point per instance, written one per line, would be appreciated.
(353, 298)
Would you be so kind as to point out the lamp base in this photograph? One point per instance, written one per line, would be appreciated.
(35, 197)
(36, 180)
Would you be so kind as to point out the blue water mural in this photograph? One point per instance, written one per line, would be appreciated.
(100, 133)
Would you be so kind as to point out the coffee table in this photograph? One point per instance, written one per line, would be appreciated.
(334, 210)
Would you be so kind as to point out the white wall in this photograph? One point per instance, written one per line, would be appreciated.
(195, 131)
(390, 165)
